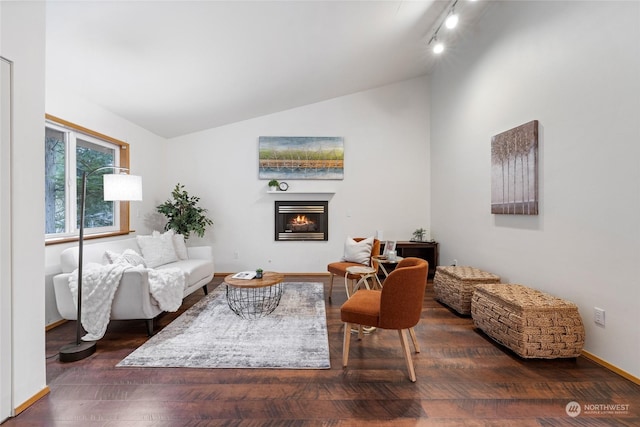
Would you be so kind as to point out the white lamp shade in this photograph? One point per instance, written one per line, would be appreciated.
(122, 187)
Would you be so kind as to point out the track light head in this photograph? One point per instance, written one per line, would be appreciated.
(438, 47)
(452, 20)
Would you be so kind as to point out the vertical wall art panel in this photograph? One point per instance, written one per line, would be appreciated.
(514, 171)
(306, 157)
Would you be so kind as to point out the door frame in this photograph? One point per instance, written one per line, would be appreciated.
(6, 243)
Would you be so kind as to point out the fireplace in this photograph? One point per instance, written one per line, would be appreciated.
(302, 220)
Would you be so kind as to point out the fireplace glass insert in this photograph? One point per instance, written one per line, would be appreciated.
(301, 220)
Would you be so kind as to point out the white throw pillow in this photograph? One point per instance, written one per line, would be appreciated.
(129, 256)
(157, 249)
(359, 252)
(180, 246)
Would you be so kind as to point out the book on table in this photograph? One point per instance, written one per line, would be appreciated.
(247, 275)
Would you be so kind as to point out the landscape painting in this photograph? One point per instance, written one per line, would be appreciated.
(514, 171)
(301, 157)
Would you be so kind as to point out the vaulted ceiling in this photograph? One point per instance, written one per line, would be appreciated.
(177, 67)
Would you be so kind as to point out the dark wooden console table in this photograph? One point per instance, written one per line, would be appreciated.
(424, 250)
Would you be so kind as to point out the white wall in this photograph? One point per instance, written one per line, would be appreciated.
(23, 35)
(385, 187)
(147, 160)
(573, 66)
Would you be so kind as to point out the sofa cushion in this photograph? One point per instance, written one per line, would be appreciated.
(180, 246)
(158, 249)
(94, 252)
(194, 269)
(129, 256)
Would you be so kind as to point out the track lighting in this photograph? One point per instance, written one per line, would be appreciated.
(450, 20)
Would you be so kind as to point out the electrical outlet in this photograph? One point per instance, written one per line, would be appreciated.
(455, 262)
(236, 254)
(598, 316)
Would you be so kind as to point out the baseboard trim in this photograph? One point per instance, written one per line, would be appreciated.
(55, 324)
(42, 393)
(611, 367)
(286, 274)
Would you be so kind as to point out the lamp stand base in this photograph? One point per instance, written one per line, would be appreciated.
(74, 352)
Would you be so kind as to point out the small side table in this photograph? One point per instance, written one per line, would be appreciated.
(382, 261)
(365, 274)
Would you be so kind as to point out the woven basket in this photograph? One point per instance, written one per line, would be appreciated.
(454, 285)
(531, 323)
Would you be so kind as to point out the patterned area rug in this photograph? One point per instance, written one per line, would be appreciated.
(210, 335)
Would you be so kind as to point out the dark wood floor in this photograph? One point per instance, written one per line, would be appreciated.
(463, 379)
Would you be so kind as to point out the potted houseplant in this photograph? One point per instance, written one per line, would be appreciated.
(258, 273)
(419, 235)
(183, 214)
(273, 185)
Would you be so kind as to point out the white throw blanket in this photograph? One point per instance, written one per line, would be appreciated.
(167, 287)
(99, 286)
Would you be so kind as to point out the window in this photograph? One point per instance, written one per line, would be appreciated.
(71, 150)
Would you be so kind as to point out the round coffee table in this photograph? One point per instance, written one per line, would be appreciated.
(254, 298)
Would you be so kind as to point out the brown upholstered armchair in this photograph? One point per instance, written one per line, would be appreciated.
(397, 306)
(340, 268)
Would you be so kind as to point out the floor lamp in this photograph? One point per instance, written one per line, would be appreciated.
(123, 187)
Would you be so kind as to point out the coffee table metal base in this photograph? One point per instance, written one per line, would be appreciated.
(253, 303)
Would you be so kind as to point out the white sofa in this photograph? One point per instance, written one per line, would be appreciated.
(132, 299)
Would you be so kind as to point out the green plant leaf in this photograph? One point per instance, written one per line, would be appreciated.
(183, 215)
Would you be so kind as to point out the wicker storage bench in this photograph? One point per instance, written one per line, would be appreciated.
(531, 323)
(454, 286)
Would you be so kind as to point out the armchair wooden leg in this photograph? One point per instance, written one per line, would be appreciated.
(346, 286)
(345, 344)
(407, 354)
(416, 346)
(331, 285)
(206, 291)
(350, 286)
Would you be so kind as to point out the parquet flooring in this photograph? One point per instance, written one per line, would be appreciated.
(464, 379)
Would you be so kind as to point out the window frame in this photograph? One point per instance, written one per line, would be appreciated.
(123, 207)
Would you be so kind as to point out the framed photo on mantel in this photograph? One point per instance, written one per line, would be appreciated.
(514, 170)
